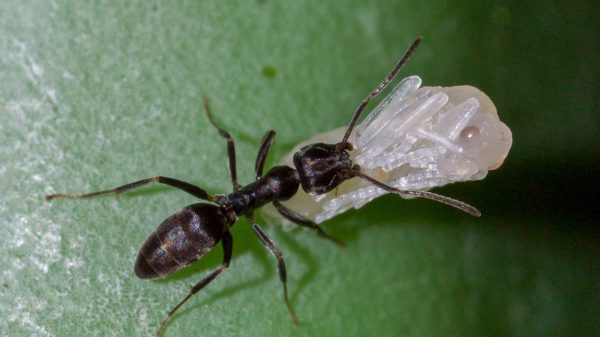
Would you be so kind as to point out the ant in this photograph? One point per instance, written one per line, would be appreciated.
(192, 232)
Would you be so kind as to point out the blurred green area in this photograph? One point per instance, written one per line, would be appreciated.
(96, 94)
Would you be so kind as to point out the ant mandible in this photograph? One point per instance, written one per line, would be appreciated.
(192, 232)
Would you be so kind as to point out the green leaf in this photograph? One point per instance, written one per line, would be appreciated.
(97, 94)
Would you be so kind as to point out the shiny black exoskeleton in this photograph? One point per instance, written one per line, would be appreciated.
(323, 167)
(192, 232)
(189, 234)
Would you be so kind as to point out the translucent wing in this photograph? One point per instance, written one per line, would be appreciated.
(417, 138)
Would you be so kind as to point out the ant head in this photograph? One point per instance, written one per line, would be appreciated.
(322, 167)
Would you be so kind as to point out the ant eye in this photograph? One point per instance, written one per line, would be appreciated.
(417, 138)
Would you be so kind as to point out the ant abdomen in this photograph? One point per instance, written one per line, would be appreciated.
(180, 240)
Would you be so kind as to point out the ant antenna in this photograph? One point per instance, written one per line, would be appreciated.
(381, 86)
(422, 194)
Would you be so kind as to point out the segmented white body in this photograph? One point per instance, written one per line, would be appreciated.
(415, 139)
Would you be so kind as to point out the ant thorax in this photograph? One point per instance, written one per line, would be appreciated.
(415, 139)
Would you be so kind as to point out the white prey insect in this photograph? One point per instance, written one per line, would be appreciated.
(417, 138)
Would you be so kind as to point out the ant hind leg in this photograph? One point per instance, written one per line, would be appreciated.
(182, 185)
(227, 243)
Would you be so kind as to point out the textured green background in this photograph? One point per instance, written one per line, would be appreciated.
(98, 94)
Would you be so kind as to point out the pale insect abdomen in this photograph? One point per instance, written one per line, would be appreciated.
(415, 139)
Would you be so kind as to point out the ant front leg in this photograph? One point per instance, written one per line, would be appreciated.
(272, 248)
(230, 145)
(182, 185)
(261, 157)
(227, 243)
(304, 222)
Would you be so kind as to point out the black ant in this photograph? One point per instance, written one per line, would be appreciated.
(192, 232)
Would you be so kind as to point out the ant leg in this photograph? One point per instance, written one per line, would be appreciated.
(227, 243)
(381, 86)
(304, 222)
(262, 153)
(422, 194)
(182, 185)
(230, 145)
(270, 245)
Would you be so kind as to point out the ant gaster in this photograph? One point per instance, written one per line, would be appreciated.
(192, 232)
